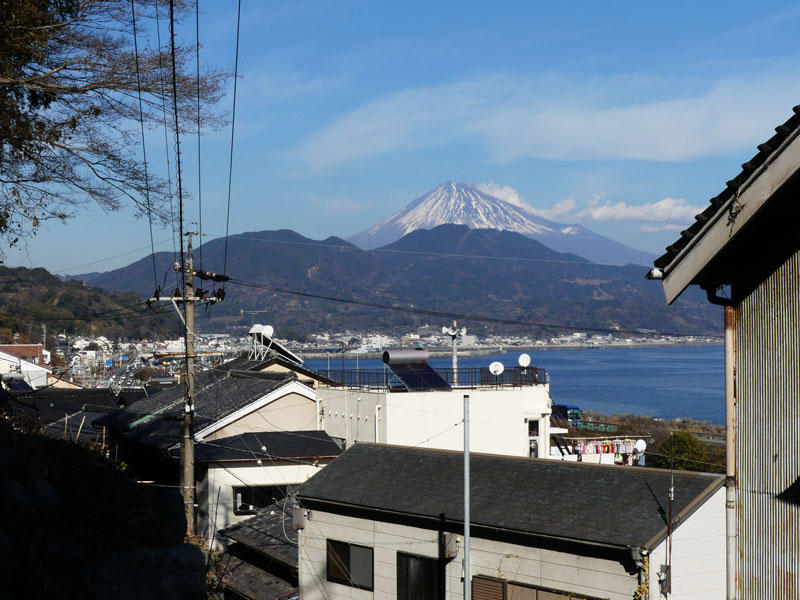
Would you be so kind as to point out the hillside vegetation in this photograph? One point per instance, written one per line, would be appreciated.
(31, 297)
(450, 268)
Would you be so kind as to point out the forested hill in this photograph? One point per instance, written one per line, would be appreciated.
(31, 297)
(451, 269)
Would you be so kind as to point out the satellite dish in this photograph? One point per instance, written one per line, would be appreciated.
(496, 368)
(462, 331)
(524, 360)
(445, 330)
(267, 330)
(255, 329)
(640, 445)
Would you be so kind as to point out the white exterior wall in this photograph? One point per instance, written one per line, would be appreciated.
(546, 568)
(434, 419)
(350, 414)
(35, 375)
(698, 554)
(215, 492)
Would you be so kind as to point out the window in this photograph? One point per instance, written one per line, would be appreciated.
(417, 577)
(350, 564)
(489, 588)
(247, 500)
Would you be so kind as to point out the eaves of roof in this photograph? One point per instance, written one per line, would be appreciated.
(728, 209)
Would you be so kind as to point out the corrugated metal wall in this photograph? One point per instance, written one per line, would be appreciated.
(767, 341)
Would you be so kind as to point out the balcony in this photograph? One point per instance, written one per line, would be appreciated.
(436, 379)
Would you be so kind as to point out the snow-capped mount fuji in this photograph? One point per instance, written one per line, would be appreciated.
(465, 204)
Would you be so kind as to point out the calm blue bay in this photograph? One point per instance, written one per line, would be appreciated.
(661, 382)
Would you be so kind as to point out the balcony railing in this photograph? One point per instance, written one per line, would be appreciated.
(472, 377)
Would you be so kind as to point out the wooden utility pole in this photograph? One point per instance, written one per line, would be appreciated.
(187, 430)
(188, 299)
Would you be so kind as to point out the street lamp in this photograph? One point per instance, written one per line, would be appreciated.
(454, 332)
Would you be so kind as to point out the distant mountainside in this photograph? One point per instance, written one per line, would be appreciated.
(454, 268)
(464, 204)
(30, 297)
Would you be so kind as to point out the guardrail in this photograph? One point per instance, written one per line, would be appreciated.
(472, 377)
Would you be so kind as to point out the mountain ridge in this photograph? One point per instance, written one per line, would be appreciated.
(451, 268)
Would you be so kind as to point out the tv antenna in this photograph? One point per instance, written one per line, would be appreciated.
(454, 332)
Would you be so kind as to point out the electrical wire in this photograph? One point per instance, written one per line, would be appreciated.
(199, 171)
(454, 315)
(233, 129)
(166, 139)
(144, 144)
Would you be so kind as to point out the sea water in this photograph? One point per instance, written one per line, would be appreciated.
(670, 382)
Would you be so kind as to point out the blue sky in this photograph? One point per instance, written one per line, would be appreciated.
(626, 117)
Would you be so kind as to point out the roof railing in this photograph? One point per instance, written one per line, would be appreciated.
(471, 377)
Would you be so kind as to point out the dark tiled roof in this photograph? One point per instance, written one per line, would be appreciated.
(154, 421)
(243, 363)
(720, 202)
(249, 581)
(51, 404)
(278, 444)
(574, 502)
(264, 533)
(78, 427)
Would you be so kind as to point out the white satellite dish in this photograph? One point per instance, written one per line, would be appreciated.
(445, 329)
(496, 368)
(267, 330)
(524, 360)
(640, 445)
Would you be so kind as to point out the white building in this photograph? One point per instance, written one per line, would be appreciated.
(387, 522)
(35, 376)
(241, 474)
(410, 404)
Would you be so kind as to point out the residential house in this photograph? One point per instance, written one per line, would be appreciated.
(387, 522)
(33, 353)
(744, 251)
(260, 563)
(15, 369)
(243, 473)
(251, 416)
(410, 403)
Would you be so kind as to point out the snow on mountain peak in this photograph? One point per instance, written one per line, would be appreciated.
(471, 205)
(462, 204)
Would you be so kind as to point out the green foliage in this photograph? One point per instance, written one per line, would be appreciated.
(684, 452)
(30, 297)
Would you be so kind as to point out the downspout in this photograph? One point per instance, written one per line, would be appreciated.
(730, 456)
(730, 442)
(377, 423)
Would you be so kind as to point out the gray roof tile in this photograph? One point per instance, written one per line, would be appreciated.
(575, 502)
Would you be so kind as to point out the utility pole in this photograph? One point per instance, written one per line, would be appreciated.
(188, 299)
(44, 336)
(467, 569)
(187, 429)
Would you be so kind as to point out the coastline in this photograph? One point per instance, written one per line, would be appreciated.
(439, 352)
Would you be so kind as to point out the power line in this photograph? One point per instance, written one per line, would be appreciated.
(144, 144)
(199, 171)
(233, 129)
(452, 314)
(166, 138)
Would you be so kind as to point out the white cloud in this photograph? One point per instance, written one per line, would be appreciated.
(668, 212)
(505, 193)
(665, 227)
(518, 117)
(668, 209)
